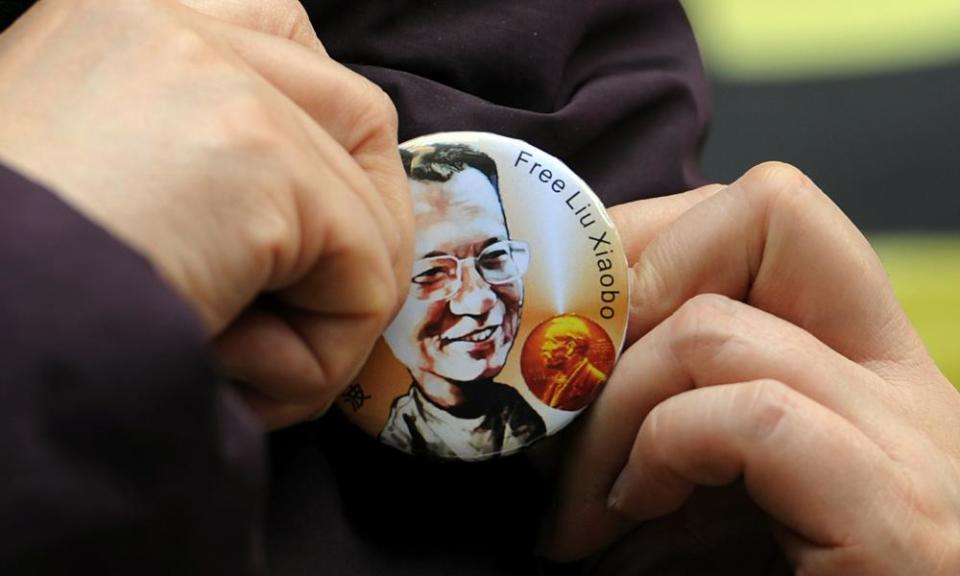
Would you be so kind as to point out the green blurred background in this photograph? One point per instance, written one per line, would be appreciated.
(863, 96)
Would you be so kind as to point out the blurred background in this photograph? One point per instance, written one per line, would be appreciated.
(862, 95)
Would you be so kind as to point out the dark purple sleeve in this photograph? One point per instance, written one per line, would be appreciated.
(122, 453)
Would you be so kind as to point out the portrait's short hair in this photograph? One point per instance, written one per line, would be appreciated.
(439, 162)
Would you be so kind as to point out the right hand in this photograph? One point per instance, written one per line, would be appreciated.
(237, 161)
(767, 346)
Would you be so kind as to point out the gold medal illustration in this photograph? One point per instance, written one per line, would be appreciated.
(566, 360)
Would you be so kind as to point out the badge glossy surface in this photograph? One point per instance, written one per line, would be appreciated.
(517, 308)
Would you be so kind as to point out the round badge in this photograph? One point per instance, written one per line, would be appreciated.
(517, 304)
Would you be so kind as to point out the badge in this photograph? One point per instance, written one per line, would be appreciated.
(517, 305)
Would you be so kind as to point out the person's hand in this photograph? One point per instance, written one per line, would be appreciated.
(771, 348)
(218, 139)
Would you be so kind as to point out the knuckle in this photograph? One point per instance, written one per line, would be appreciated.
(388, 111)
(779, 185)
(376, 297)
(244, 124)
(921, 529)
(767, 404)
(284, 18)
(703, 306)
(273, 240)
(376, 116)
(184, 45)
(294, 22)
(383, 300)
(382, 114)
(387, 307)
(657, 425)
(778, 174)
(702, 327)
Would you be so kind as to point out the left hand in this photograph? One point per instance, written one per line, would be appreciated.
(218, 140)
(771, 348)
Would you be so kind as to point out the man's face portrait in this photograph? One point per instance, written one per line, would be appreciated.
(461, 316)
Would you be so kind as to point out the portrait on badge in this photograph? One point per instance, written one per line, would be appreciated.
(460, 319)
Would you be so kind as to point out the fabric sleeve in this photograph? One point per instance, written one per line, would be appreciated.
(122, 451)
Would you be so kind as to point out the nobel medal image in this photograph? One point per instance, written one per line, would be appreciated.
(517, 305)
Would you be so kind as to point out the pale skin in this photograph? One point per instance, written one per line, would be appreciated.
(219, 140)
